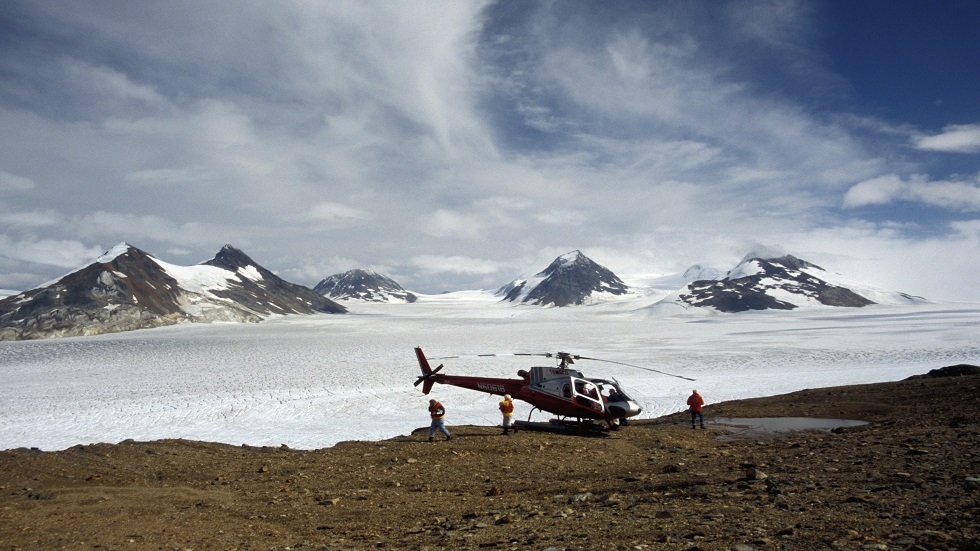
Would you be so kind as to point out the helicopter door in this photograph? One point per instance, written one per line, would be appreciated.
(586, 394)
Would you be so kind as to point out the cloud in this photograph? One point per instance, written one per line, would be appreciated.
(150, 231)
(562, 217)
(958, 195)
(337, 213)
(876, 191)
(941, 268)
(639, 100)
(190, 175)
(12, 182)
(31, 219)
(447, 223)
(62, 254)
(455, 264)
(956, 138)
(480, 219)
(107, 85)
(457, 142)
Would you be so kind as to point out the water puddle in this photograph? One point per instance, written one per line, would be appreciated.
(758, 428)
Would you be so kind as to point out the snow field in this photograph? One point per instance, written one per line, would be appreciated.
(312, 381)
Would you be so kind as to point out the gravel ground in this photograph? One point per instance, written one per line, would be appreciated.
(909, 479)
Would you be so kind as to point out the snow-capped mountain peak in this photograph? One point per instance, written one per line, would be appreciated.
(697, 271)
(364, 285)
(768, 280)
(113, 253)
(571, 279)
(126, 288)
(571, 257)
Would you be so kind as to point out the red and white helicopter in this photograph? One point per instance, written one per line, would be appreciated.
(557, 389)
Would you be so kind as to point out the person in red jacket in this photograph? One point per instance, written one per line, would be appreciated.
(695, 404)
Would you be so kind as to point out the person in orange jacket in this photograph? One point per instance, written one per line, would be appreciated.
(437, 412)
(507, 410)
(695, 404)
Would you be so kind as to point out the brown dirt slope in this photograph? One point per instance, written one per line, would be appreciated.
(907, 480)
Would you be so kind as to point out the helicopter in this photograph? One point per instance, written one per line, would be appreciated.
(559, 390)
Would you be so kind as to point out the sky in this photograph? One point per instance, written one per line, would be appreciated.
(459, 145)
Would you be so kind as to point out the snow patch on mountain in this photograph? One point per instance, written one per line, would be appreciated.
(201, 278)
(746, 269)
(113, 253)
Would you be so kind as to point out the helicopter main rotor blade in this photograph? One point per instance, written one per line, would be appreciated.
(562, 355)
(637, 367)
(547, 355)
(502, 354)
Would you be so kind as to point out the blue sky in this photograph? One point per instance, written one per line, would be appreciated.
(457, 145)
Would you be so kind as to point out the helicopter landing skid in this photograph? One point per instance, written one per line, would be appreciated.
(578, 428)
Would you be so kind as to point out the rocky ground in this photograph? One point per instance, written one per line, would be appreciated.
(907, 480)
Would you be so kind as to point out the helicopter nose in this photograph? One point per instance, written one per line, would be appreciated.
(624, 409)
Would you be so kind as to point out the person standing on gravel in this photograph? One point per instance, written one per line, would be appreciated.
(695, 404)
(507, 410)
(437, 412)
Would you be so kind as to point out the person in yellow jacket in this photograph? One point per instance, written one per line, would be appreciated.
(507, 409)
(437, 412)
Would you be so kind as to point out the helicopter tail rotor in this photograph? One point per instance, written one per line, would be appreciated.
(427, 371)
(427, 381)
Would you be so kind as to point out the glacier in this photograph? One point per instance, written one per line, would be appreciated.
(311, 381)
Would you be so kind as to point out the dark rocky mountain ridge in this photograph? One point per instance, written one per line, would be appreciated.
(268, 293)
(365, 285)
(128, 289)
(571, 279)
(776, 283)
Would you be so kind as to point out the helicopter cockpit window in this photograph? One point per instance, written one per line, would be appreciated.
(566, 390)
(586, 389)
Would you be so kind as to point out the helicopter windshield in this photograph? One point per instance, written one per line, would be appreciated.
(617, 402)
(612, 391)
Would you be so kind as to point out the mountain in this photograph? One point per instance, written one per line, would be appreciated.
(365, 285)
(572, 279)
(762, 282)
(126, 289)
(699, 272)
